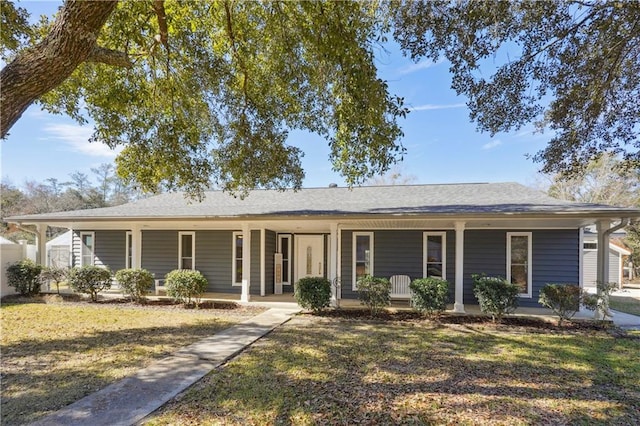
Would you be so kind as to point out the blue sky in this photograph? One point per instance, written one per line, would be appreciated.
(442, 144)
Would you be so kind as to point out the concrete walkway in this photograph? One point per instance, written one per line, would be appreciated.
(133, 398)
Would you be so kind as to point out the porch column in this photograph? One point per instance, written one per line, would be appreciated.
(41, 244)
(602, 271)
(136, 247)
(458, 306)
(581, 308)
(263, 274)
(246, 262)
(333, 263)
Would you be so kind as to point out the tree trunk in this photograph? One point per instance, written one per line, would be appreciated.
(40, 69)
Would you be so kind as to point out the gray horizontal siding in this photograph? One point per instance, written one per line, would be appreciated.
(396, 252)
(160, 252)
(109, 249)
(254, 288)
(214, 259)
(555, 259)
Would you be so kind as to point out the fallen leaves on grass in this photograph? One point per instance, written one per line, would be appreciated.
(54, 354)
(316, 370)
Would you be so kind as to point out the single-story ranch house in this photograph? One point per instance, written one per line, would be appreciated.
(262, 244)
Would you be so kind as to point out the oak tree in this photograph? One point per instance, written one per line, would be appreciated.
(573, 67)
(206, 92)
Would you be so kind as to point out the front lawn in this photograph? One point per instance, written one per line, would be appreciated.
(316, 370)
(53, 355)
(625, 303)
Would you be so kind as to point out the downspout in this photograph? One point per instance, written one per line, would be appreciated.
(605, 239)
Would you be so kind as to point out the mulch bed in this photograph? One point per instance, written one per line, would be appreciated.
(524, 323)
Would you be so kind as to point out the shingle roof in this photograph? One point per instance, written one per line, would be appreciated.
(449, 199)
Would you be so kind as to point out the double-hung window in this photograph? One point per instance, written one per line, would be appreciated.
(519, 248)
(186, 250)
(237, 258)
(87, 250)
(435, 255)
(362, 256)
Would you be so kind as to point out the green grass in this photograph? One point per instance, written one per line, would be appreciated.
(335, 371)
(53, 355)
(628, 304)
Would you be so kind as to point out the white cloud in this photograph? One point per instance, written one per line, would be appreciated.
(431, 107)
(422, 65)
(77, 140)
(492, 144)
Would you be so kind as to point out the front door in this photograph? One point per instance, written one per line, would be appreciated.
(309, 256)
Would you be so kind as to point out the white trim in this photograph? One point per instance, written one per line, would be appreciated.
(245, 295)
(581, 260)
(354, 253)
(290, 239)
(93, 248)
(621, 251)
(339, 262)
(529, 236)
(234, 258)
(128, 242)
(458, 305)
(193, 249)
(263, 276)
(443, 235)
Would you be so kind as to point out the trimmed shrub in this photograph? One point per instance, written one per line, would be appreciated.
(90, 280)
(135, 283)
(186, 284)
(55, 275)
(23, 276)
(313, 293)
(429, 295)
(495, 295)
(374, 293)
(563, 299)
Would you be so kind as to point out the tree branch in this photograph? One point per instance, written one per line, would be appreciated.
(158, 8)
(40, 69)
(109, 57)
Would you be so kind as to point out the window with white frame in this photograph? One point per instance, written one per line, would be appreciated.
(186, 250)
(284, 248)
(362, 255)
(87, 250)
(435, 255)
(590, 245)
(519, 249)
(237, 258)
(128, 250)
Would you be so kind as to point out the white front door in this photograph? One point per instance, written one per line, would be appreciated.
(309, 256)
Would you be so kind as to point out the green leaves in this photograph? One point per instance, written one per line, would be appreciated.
(214, 105)
(572, 67)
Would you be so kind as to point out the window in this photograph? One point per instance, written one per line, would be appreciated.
(87, 250)
(362, 255)
(237, 258)
(590, 246)
(519, 261)
(128, 250)
(186, 250)
(284, 247)
(435, 255)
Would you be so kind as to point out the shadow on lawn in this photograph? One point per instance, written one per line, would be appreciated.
(356, 372)
(30, 389)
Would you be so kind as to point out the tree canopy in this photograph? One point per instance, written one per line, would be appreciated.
(206, 92)
(571, 66)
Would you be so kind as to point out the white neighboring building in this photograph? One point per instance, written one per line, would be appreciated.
(59, 250)
(590, 258)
